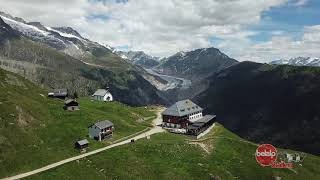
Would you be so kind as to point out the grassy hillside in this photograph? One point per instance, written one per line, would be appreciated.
(36, 131)
(268, 104)
(170, 156)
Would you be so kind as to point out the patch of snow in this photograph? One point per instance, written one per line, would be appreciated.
(24, 28)
(64, 34)
(283, 61)
(75, 46)
(182, 54)
(108, 47)
(124, 56)
(309, 60)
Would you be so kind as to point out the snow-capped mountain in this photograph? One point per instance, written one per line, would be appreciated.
(64, 39)
(299, 61)
(139, 58)
(6, 31)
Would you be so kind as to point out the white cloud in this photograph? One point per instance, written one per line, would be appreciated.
(164, 27)
(283, 46)
(299, 2)
(157, 27)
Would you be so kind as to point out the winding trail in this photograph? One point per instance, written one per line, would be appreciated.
(156, 129)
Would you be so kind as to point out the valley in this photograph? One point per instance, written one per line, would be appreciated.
(172, 81)
(253, 103)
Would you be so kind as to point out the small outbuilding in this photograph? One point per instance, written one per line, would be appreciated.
(58, 93)
(101, 130)
(82, 145)
(71, 105)
(102, 95)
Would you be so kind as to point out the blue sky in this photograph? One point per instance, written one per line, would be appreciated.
(256, 30)
(288, 18)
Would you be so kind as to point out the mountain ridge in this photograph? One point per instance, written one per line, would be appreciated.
(268, 103)
(139, 58)
(298, 61)
(195, 65)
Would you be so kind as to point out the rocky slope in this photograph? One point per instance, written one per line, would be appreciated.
(268, 103)
(139, 58)
(195, 65)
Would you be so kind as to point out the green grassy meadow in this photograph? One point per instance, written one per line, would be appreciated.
(171, 156)
(36, 131)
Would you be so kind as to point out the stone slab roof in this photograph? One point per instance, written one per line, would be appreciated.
(103, 124)
(83, 142)
(182, 108)
(100, 92)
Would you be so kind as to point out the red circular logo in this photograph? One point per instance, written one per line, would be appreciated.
(266, 154)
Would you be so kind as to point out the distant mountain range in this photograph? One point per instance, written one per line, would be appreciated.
(299, 61)
(194, 65)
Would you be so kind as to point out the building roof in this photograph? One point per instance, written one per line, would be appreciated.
(101, 92)
(70, 101)
(60, 92)
(83, 142)
(191, 127)
(182, 108)
(205, 119)
(201, 122)
(103, 124)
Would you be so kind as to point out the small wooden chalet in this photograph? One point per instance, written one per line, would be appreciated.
(71, 105)
(102, 95)
(82, 145)
(186, 117)
(58, 93)
(101, 130)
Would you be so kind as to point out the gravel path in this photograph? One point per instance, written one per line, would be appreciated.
(156, 129)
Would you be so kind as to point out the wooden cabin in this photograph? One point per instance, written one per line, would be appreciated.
(71, 105)
(101, 130)
(58, 93)
(82, 145)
